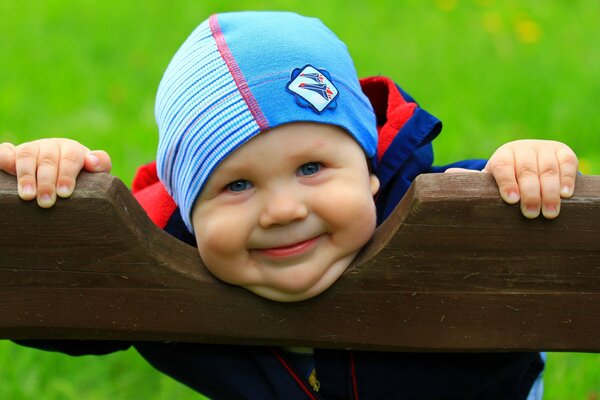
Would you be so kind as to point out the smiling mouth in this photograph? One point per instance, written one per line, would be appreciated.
(290, 250)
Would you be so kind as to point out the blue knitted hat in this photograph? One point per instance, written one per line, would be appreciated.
(239, 74)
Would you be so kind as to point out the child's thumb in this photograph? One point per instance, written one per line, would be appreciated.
(97, 161)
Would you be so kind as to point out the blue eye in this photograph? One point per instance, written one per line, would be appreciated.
(310, 168)
(239, 186)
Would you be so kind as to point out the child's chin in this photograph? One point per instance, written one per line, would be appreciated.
(284, 296)
(299, 289)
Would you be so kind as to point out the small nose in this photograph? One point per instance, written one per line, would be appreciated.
(281, 209)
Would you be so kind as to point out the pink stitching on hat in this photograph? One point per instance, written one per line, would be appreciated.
(238, 77)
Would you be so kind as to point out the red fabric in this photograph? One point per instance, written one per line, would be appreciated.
(145, 176)
(354, 381)
(152, 195)
(391, 109)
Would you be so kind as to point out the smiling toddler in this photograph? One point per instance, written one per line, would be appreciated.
(277, 163)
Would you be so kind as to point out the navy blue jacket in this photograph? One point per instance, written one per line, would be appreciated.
(251, 372)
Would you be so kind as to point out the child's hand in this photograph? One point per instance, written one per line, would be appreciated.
(537, 172)
(47, 167)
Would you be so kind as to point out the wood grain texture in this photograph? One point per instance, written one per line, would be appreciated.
(452, 269)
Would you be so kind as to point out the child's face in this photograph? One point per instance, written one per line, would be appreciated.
(286, 213)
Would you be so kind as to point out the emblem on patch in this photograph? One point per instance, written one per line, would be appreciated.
(313, 88)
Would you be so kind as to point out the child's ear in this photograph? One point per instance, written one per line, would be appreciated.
(374, 183)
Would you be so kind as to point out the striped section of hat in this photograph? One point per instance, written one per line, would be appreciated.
(192, 104)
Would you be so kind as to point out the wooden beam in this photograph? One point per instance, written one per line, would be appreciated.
(453, 269)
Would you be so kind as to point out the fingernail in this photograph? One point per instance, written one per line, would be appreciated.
(566, 191)
(45, 201)
(63, 191)
(27, 190)
(94, 160)
(530, 212)
(551, 211)
(512, 197)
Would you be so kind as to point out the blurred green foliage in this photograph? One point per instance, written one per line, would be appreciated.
(493, 71)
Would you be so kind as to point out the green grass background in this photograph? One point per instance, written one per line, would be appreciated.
(493, 71)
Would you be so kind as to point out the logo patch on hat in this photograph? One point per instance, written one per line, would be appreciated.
(313, 88)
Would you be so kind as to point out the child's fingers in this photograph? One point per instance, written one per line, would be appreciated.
(569, 166)
(549, 177)
(97, 161)
(47, 172)
(26, 156)
(49, 167)
(502, 167)
(526, 164)
(72, 156)
(7, 158)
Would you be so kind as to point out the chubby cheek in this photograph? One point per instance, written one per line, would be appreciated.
(222, 247)
(351, 217)
(362, 226)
